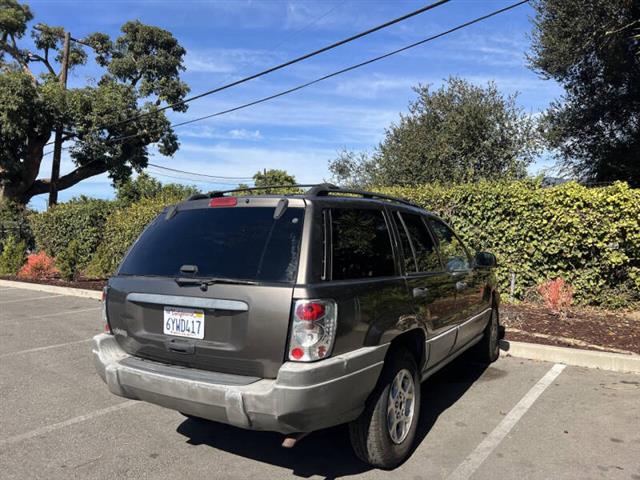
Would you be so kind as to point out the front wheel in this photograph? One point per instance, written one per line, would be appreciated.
(488, 349)
(384, 433)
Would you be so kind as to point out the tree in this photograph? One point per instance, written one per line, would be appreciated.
(272, 177)
(145, 186)
(457, 133)
(592, 49)
(109, 123)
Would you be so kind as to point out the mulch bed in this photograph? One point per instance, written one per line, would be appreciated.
(85, 283)
(589, 329)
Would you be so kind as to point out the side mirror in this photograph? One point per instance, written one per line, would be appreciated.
(485, 260)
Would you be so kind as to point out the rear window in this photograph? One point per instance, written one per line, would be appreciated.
(361, 244)
(240, 243)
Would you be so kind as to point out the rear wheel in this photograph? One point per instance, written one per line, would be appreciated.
(488, 349)
(384, 433)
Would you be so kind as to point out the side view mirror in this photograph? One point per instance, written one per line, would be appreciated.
(485, 260)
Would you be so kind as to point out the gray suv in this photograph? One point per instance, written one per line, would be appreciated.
(294, 313)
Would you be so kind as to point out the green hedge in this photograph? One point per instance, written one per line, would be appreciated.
(122, 229)
(82, 220)
(588, 236)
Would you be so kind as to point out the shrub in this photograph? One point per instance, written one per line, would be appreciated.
(39, 266)
(122, 229)
(13, 255)
(67, 260)
(557, 295)
(588, 236)
(14, 223)
(81, 219)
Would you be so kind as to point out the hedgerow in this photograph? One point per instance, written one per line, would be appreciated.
(590, 237)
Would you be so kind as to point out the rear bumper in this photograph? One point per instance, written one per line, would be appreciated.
(304, 397)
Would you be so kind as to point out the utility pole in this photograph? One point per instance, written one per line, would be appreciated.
(57, 145)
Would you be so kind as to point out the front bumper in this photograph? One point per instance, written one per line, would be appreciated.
(304, 397)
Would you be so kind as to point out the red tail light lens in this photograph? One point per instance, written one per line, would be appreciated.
(310, 311)
(224, 202)
(313, 330)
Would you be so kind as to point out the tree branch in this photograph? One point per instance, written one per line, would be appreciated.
(46, 63)
(13, 50)
(95, 167)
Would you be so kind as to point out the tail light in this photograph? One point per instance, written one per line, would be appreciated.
(224, 202)
(313, 330)
(105, 319)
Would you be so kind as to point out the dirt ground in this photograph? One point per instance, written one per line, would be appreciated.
(590, 329)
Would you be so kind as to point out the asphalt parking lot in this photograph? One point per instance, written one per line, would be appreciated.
(514, 419)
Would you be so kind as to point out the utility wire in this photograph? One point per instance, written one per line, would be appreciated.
(199, 174)
(287, 63)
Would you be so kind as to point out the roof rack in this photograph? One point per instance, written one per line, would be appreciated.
(315, 190)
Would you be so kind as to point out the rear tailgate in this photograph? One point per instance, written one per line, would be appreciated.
(237, 322)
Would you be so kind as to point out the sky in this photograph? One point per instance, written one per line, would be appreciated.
(229, 39)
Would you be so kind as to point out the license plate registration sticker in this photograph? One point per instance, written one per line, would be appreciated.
(184, 322)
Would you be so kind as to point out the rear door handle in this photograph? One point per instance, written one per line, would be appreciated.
(420, 292)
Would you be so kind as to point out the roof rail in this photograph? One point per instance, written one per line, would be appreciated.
(315, 190)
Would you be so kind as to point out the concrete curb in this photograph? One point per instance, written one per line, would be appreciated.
(616, 362)
(74, 292)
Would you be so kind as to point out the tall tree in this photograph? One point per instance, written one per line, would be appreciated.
(109, 124)
(272, 177)
(592, 48)
(458, 133)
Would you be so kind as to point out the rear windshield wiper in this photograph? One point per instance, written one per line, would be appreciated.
(205, 282)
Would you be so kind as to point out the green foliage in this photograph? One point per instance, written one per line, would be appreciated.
(121, 230)
(592, 49)
(13, 256)
(67, 260)
(588, 236)
(271, 177)
(145, 186)
(458, 133)
(142, 70)
(14, 222)
(81, 220)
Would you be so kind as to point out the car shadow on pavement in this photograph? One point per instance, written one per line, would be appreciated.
(328, 453)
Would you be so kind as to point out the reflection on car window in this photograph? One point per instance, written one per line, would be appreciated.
(451, 249)
(409, 259)
(361, 244)
(426, 256)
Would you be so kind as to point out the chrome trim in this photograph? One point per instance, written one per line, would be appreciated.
(453, 329)
(474, 317)
(440, 335)
(195, 302)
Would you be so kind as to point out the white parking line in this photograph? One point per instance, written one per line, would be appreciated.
(28, 299)
(56, 314)
(40, 349)
(484, 449)
(72, 421)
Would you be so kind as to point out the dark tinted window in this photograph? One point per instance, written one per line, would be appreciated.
(361, 244)
(426, 255)
(409, 260)
(243, 243)
(453, 253)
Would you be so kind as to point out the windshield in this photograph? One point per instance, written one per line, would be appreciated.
(243, 243)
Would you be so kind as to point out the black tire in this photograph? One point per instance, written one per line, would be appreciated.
(488, 349)
(370, 434)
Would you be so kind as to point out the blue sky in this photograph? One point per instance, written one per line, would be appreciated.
(229, 39)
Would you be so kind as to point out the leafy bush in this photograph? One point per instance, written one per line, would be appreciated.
(121, 230)
(557, 295)
(39, 266)
(81, 219)
(67, 260)
(588, 236)
(144, 186)
(14, 253)
(14, 223)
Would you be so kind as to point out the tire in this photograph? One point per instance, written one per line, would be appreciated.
(372, 439)
(488, 349)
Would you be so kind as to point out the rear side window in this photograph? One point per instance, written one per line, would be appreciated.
(426, 256)
(361, 244)
(453, 253)
(241, 243)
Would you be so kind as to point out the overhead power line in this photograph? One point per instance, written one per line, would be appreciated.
(287, 63)
(219, 177)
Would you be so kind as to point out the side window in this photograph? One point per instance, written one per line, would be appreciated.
(426, 256)
(452, 251)
(361, 244)
(407, 250)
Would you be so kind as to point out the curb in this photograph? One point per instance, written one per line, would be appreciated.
(615, 362)
(74, 292)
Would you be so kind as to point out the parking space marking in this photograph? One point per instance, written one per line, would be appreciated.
(64, 312)
(40, 349)
(28, 299)
(72, 421)
(484, 449)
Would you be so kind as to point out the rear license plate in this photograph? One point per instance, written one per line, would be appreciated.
(184, 322)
